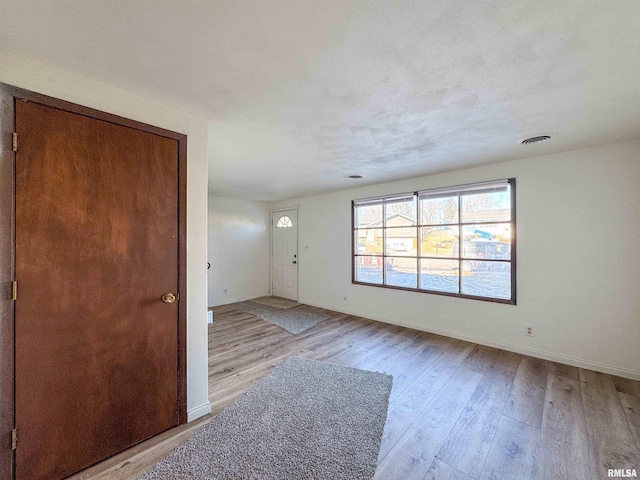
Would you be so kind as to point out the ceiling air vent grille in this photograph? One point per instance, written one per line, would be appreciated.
(532, 140)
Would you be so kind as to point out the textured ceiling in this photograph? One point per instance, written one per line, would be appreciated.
(300, 94)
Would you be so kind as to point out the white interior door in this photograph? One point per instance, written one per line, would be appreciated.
(284, 254)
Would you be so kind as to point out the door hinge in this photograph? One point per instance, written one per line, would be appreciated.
(14, 439)
(15, 142)
(14, 290)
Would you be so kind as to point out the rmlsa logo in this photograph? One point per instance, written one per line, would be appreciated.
(622, 473)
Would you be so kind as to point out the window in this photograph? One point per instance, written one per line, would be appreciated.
(284, 222)
(456, 241)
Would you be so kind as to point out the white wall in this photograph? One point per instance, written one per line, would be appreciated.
(37, 77)
(238, 250)
(578, 265)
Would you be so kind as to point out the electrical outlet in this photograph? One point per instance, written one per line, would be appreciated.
(529, 331)
(225, 291)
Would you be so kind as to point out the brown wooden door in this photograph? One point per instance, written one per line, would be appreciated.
(96, 248)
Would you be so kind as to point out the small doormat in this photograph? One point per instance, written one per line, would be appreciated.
(306, 419)
(276, 302)
(295, 320)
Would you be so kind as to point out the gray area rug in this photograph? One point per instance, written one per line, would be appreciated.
(276, 302)
(295, 320)
(305, 420)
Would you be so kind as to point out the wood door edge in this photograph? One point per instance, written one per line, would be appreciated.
(7, 250)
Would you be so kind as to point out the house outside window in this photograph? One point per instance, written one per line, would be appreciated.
(457, 241)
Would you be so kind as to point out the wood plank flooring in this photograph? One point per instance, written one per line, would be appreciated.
(458, 410)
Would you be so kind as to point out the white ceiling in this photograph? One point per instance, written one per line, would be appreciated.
(301, 93)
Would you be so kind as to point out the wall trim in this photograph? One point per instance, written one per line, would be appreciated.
(282, 209)
(199, 411)
(243, 298)
(532, 352)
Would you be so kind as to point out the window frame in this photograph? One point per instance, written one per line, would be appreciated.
(288, 223)
(454, 191)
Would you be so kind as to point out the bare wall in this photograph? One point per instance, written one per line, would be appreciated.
(238, 250)
(578, 275)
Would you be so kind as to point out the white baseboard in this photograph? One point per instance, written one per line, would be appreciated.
(576, 362)
(199, 411)
(227, 301)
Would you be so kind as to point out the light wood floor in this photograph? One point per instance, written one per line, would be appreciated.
(457, 410)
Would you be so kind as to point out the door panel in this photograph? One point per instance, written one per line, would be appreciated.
(96, 248)
(284, 256)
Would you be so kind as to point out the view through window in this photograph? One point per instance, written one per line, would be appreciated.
(452, 241)
(284, 222)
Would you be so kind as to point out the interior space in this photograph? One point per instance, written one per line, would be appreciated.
(432, 207)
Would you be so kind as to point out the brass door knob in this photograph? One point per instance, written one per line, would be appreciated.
(168, 298)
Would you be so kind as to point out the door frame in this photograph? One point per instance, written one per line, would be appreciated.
(272, 226)
(8, 96)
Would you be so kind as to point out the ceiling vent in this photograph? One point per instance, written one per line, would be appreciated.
(532, 140)
(354, 177)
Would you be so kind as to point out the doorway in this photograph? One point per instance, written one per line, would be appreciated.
(98, 264)
(284, 254)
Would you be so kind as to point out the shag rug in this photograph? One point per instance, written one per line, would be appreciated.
(295, 320)
(276, 302)
(305, 420)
